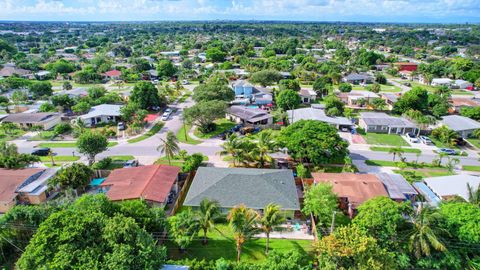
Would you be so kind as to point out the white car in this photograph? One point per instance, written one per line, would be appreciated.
(165, 116)
(412, 138)
(426, 140)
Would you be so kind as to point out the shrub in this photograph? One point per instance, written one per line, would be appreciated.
(102, 164)
(62, 128)
(345, 87)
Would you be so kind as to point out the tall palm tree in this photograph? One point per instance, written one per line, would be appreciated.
(169, 146)
(270, 219)
(396, 151)
(208, 212)
(424, 234)
(264, 146)
(474, 194)
(232, 146)
(243, 221)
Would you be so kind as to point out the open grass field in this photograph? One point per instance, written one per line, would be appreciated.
(221, 244)
(385, 139)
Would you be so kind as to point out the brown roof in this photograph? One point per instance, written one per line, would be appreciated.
(152, 182)
(358, 188)
(10, 71)
(405, 63)
(10, 180)
(468, 102)
(28, 117)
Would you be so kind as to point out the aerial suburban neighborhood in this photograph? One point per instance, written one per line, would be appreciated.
(239, 145)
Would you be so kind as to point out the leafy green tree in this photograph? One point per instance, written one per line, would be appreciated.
(288, 100)
(192, 162)
(152, 219)
(313, 141)
(416, 99)
(75, 176)
(91, 144)
(169, 146)
(41, 89)
(375, 88)
(264, 146)
(215, 54)
(471, 112)
(345, 87)
(232, 146)
(243, 221)
(289, 84)
(81, 107)
(146, 95)
(96, 92)
(183, 227)
(11, 159)
(378, 103)
(63, 101)
(213, 91)
(380, 78)
(322, 86)
(270, 220)
(425, 232)
(474, 194)
(265, 77)
(207, 214)
(334, 106)
(19, 96)
(166, 68)
(445, 135)
(321, 202)
(67, 86)
(47, 107)
(462, 220)
(204, 113)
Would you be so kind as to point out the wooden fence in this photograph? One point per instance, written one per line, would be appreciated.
(183, 193)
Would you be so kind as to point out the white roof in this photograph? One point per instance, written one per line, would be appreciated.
(441, 80)
(315, 113)
(460, 123)
(446, 186)
(103, 109)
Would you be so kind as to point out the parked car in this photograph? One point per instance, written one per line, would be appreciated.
(249, 130)
(407, 84)
(426, 140)
(447, 151)
(42, 152)
(412, 138)
(225, 134)
(236, 128)
(185, 82)
(131, 163)
(166, 115)
(121, 126)
(344, 129)
(460, 142)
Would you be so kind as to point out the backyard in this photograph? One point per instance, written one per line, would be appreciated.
(385, 139)
(221, 244)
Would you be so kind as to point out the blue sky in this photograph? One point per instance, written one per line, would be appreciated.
(446, 11)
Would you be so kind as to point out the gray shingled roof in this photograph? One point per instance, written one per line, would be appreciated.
(383, 119)
(26, 118)
(318, 114)
(397, 187)
(248, 114)
(460, 123)
(254, 188)
(357, 77)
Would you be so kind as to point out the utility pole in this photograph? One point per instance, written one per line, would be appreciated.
(332, 227)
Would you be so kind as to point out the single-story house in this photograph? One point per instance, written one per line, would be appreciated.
(462, 84)
(383, 123)
(356, 78)
(113, 74)
(46, 120)
(246, 93)
(461, 124)
(390, 99)
(153, 74)
(9, 71)
(459, 103)
(26, 186)
(254, 188)
(441, 82)
(352, 189)
(104, 113)
(247, 115)
(446, 187)
(153, 183)
(353, 98)
(307, 95)
(406, 66)
(75, 92)
(317, 112)
(397, 187)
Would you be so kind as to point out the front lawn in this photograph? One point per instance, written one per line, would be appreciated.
(60, 159)
(387, 149)
(154, 130)
(182, 135)
(417, 175)
(11, 134)
(383, 87)
(221, 244)
(471, 168)
(67, 145)
(475, 142)
(176, 161)
(385, 139)
(390, 163)
(43, 136)
(222, 126)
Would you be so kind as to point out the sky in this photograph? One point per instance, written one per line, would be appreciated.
(422, 11)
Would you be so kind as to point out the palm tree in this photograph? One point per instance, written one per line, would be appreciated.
(169, 146)
(206, 214)
(396, 151)
(424, 234)
(270, 219)
(452, 162)
(232, 146)
(264, 145)
(474, 194)
(243, 221)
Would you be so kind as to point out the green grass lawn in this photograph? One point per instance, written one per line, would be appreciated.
(68, 145)
(11, 135)
(474, 141)
(184, 97)
(462, 92)
(176, 161)
(181, 136)
(222, 126)
(221, 244)
(118, 161)
(387, 149)
(383, 87)
(60, 159)
(471, 168)
(43, 136)
(154, 130)
(385, 139)
(417, 175)
(391, 163)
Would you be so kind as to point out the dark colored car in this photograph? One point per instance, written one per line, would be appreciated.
(42, 152)
(121, 126)
(460, 142)
(236, 128)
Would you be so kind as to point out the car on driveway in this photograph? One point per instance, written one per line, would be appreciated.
(426, 140)
(447, 151)
(41, 152)
(130, 163)
(412, 138)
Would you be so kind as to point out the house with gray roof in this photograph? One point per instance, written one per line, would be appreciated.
(249, 116)
(254, 188)
(397, 187)
(461, 124)
(446, 187)
(104, 113)
(377, 122)
(46, 120)
(317, 113)
(356, 78)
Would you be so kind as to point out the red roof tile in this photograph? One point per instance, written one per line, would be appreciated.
(113, 73)
(152, 182)
(11, 179)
